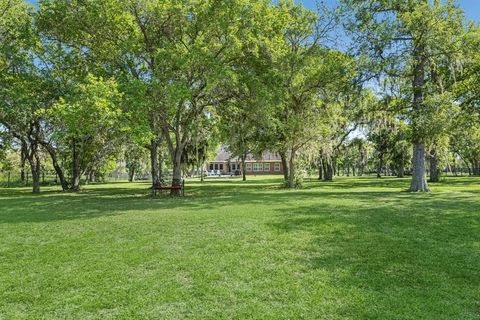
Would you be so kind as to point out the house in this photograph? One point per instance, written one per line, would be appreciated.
(269, 163)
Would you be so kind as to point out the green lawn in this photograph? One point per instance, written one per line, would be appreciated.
(352, 249)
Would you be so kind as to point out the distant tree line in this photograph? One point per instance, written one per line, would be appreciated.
(160, 84)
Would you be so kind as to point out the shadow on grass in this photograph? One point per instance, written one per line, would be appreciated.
(19, 205)
(392, 182)
(398, 251)
(391, 251)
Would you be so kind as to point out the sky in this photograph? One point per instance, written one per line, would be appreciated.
(470, 7)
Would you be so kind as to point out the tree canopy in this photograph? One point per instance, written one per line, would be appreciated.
(86, 86)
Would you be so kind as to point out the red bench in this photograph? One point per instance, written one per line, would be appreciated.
(160, 188)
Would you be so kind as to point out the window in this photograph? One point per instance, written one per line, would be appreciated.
(220, 166)
(249, 167)
(257, 167)
(266, 167)
(277, 167)
(211, 166)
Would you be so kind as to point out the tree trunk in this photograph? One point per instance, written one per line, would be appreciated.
(76, 171)
(380, 166)
(34, 161)
(23, 155)
(283, 156)
(131, 172)
(401, 170)
(35, 168)
(154, 162)
(419, 180)
(177, 170)
(92, 176)
(461, 171)
(476, 167)
(76, 182)
(292, 171)
(320, 169)
(58, 169)
(434, 171)
(328, 169)
(160, 163)
(244, 174)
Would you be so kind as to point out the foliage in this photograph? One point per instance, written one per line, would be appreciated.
(415, 46)
(86, 85)
(88, 123)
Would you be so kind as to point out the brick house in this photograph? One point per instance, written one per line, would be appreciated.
(269, 163)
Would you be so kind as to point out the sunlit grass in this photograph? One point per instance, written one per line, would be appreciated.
(352, 249)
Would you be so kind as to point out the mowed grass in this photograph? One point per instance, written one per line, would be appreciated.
(352, 249)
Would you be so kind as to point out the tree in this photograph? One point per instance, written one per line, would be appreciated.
(345, 114)
(17, 79)
(465, 129)
(181, 54)
(202, 144)
(135, 156)
(202, 72)
(241, 124)
(88, 123)
(406, 39)
(240, 135)
(121, 39)
(465, 140)
(401, 153)
(363, 152)
(15, 33)
(29, 89)
(390, 134)
(307, 72)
